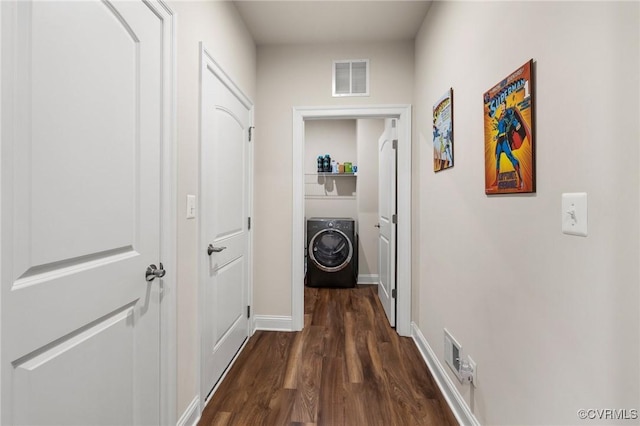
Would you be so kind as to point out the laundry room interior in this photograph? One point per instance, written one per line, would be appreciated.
(346, 194)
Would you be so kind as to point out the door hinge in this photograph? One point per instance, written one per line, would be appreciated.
(251, 132)
(394, 219)
(393, 293)
(395, 144)
(249, 223)
(248, 311)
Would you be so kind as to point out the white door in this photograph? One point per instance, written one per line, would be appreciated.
(224, 237)
(82, 107)
(386, 213)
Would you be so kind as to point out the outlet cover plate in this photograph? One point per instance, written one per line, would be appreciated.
(574, 213)
(474, 367)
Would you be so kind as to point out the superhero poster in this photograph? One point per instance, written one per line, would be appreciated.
(509, 160)
(443, 132)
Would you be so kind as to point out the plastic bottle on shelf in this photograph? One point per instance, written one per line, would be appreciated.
(320, 164)
(334, 167)
(326, 163)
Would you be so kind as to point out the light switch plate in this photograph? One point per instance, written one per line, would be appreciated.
(191, 206)
(574, 213)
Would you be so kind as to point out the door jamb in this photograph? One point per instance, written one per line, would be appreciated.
(403, 280)
(168, 242)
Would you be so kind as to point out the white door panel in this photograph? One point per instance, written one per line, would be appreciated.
(387, 230)
(82, 97)
(38, 378)
(229, 186)
(226, 119)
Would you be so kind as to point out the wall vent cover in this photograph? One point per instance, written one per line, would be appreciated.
(351, 77)
(452, 353)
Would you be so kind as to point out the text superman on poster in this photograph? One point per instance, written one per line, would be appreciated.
(508, 134)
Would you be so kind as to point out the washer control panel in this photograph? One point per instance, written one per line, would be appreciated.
(345, 225)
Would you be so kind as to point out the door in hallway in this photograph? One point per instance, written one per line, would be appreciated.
(83, 95)
(226, 116)
(386, 213)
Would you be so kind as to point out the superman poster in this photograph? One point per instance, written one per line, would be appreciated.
(443, 132)
(509, 160)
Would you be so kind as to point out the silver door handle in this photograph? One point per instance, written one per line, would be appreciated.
(211, 249)
(153, 271)
(377, 225)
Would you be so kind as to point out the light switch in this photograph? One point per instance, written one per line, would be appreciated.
(574, 213)
(191, 206)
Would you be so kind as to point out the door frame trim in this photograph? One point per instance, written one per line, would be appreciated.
(168, 231)
(208, 61)
(403, 248)
(168, 208)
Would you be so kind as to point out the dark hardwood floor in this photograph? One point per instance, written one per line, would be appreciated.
(347, 367)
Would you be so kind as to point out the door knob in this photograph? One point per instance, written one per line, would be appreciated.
(153, 271)
(211, 249)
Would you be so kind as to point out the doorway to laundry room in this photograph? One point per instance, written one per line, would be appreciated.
(341, 189)
(336, 203)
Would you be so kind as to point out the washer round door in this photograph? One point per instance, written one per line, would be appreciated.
(330, 250)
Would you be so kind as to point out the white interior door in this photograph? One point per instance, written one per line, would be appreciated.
(226, 120)
(82, 107)
(386, 213)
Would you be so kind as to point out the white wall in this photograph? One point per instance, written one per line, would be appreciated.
(329, 196)
(301, 76)
(369, 132)
(551, 320)
(227, 39)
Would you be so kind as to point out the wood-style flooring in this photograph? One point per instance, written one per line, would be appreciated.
(347, 367)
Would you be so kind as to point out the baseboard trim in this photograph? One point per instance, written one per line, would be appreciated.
(456, 402)
(191, 415)
(273, 323)
(368, 279)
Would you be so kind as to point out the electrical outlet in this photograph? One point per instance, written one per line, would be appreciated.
(467, 373)
(474, 371)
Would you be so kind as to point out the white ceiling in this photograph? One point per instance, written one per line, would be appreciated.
(330, 21)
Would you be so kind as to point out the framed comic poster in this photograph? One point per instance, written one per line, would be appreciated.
(443, 132)
(509, 140)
